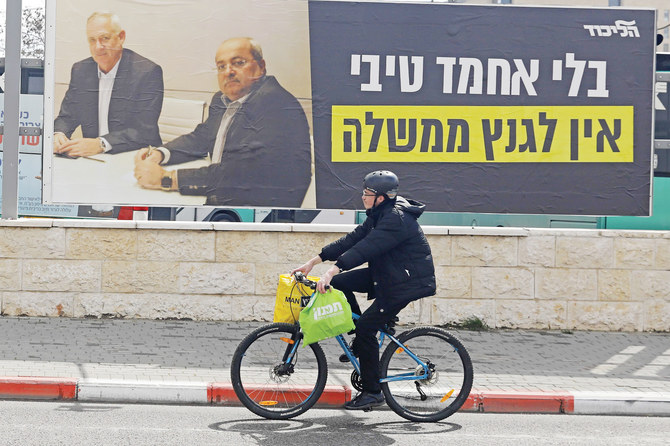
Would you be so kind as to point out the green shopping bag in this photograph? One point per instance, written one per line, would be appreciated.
(325, 316)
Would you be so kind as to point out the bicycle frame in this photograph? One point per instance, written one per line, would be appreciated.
(289, 354)
(383, 335)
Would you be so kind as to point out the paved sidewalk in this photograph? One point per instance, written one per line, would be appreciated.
(186, 362)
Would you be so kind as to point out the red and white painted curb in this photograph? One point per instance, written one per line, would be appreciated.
(96, 390)
(38, 388)
(92, 390)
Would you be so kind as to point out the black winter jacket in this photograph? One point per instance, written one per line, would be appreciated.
(397, 252)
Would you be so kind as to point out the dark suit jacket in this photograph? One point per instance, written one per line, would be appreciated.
(266, 158)
(137, 99)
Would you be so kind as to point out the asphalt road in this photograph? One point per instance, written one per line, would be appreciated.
(54, 423)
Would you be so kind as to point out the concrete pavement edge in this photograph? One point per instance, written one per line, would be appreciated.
(334, 396)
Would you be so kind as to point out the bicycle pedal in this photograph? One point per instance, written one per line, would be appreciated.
(367, 409)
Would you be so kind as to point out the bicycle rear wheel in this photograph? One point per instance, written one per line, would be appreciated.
(270, 386)
(447, 385)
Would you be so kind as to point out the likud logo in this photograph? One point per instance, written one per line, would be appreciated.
(621, 28)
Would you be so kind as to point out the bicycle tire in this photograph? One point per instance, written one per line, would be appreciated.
(273, 395)
(444, 391)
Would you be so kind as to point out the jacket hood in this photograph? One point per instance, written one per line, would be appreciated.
(412, 207)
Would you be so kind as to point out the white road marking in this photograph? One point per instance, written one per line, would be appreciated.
(616, 360)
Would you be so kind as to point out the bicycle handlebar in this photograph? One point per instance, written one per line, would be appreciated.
(300, 277)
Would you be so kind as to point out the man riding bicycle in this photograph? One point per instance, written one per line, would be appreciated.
(400, 270)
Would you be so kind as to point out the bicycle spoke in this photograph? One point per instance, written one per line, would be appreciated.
(270, 386)
(433, 394)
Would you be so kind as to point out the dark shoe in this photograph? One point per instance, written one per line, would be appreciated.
(344, 357)
(365, 401)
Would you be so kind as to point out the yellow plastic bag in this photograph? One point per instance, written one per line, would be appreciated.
(289, 302)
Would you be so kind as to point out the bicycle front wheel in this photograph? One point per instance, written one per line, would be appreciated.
(272, 382)
(419, 396)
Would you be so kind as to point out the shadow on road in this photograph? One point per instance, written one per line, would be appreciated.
(345, 428)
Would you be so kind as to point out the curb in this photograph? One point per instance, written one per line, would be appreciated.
(38, 388)
(332, 396)
(501, 401)
(631, 403)
(517, 402)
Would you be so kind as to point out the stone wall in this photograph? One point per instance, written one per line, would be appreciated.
(507, 277)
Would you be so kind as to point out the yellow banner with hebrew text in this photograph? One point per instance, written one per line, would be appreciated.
(481, 134)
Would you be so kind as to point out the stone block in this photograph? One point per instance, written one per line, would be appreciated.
(445, 311)
(216, 278)
(247, 247)
(253, 308)
(614, 284)
(608, 316)
(484, 251)
(584, 252)
(417, 312)
(37, 304)
(453, 281)
(10, 274)
(91, 243)
(566, 283)
(657, 316)
(153, 306)
(502, 283)
(298, 247)
(140, 277)
(662, 257)
(634, 253)
(61, 275)
(650, 285)
(267, 276)
(32, 243)
(183, 246)
(440, 246)
(535, 314)
(537, 250)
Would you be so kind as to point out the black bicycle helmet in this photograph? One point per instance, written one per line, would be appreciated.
(382, 182)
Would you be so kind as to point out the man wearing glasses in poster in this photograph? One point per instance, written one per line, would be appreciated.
(256, 134)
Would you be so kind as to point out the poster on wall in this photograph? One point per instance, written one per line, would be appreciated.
(492, 109)
(253, 103)
(189, 103)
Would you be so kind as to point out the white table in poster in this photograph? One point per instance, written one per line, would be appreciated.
(85, 181)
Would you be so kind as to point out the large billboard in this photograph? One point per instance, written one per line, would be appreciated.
(154, 76)
(485, 108)
(498, 109)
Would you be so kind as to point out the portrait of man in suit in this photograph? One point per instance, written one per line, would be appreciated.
(256, 135)
(115, 96)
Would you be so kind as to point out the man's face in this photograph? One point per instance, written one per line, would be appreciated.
(237, 69)
(369, 200)
(105, 44)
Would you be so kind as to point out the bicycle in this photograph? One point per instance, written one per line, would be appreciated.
(426, 372)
